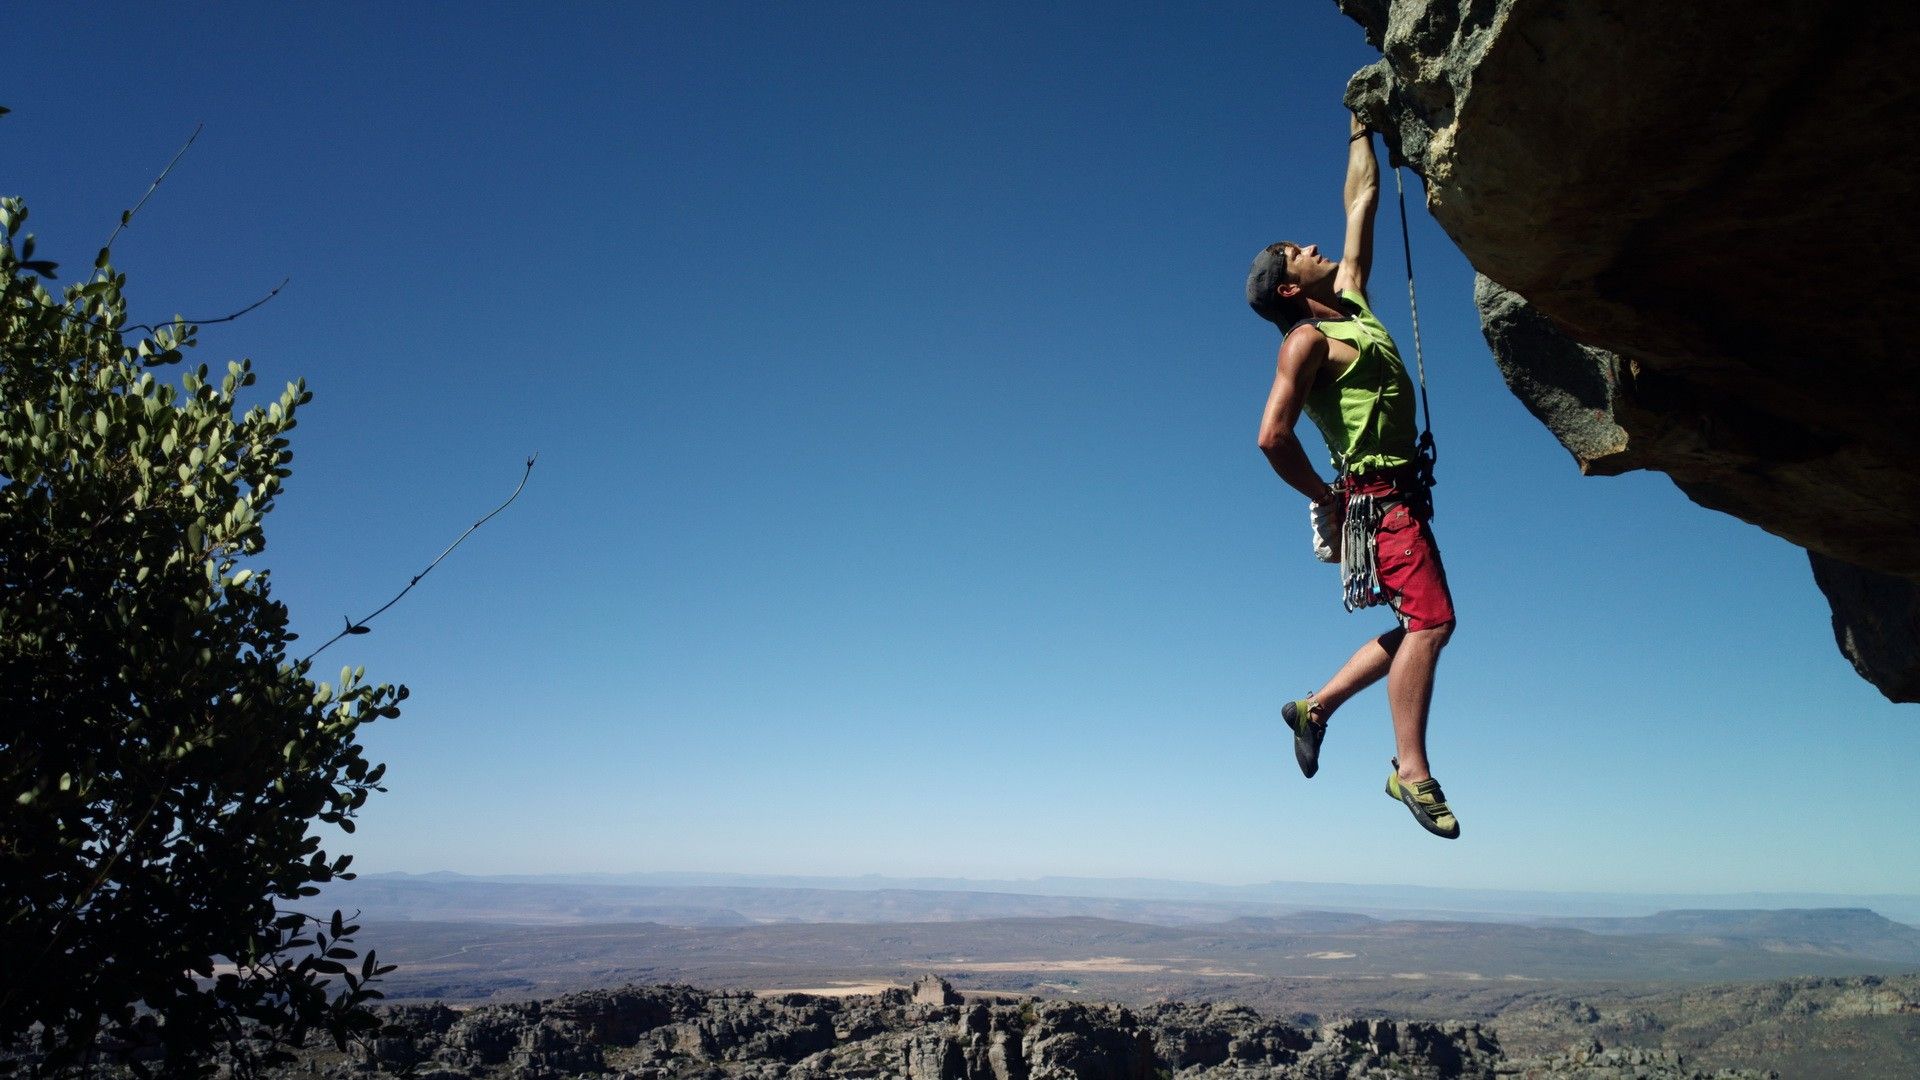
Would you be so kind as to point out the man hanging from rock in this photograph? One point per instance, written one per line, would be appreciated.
(1338, 364)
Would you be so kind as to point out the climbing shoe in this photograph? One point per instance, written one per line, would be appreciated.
(1425, 799)
(1306, 734)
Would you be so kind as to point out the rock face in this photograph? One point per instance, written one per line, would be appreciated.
(1705, 209)
(675, 1032)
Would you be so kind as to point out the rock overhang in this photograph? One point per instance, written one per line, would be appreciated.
(1647, 190)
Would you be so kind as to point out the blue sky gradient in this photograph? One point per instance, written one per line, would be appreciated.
(898, 509)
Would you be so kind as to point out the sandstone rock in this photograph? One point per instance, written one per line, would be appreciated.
(1718, 282)
(486, 1036)
(392, 1051)
(1069, 1039)
(1575, 390)
(931, 989)
(620, 1017)
(934, 1057)
(975, 1019)
(1203, 1036)
(1006, 1057)
(1623, 1063)
(554, 1047)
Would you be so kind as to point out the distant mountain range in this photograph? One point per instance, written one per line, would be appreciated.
(744, 899)
(1856, 932)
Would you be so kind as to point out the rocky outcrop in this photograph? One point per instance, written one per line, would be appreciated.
(1596, 1062)
(681, 1033)
(1704, 207)
(934, 990)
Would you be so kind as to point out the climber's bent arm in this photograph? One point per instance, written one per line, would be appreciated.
(1301, 355)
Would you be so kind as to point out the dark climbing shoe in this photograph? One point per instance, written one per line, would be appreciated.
(1306, 734)
(1428, 804)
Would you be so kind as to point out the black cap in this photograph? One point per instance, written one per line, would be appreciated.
(1268, 273)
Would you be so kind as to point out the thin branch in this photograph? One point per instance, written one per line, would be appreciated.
(127, 217)
(361, 626)
(149, 327)
(209, 322)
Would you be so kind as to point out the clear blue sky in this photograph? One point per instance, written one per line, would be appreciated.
(898, 508)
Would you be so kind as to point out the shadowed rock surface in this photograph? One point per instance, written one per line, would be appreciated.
(1705, 209)
(1876, 623)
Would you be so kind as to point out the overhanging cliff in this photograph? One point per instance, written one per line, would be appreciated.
(1699, 254)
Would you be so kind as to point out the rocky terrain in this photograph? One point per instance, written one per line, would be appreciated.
(932, 1033)
(1866, 1027)
(1690, 221)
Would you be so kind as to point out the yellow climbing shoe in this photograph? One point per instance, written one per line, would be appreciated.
(1306, 734)
(1425, 799)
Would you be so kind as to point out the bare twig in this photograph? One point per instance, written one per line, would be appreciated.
(209, 322)
(361, 626)
(127, 217)
(149, 327)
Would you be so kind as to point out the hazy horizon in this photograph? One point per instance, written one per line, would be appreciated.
(1357, 896)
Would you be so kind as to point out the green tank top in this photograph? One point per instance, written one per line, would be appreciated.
(1367, 413)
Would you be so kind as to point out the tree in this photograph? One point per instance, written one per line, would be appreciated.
(162, 759)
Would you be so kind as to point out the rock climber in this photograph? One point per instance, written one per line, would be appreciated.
(1338, 364)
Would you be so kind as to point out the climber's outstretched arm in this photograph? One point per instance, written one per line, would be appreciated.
(1362, 197)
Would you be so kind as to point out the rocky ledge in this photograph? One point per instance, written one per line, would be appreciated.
(931, 1033)
(1697, 254)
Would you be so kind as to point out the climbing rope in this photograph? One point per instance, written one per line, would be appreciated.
(1429, 454)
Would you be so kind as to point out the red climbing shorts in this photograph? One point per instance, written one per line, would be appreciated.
(1409, 559)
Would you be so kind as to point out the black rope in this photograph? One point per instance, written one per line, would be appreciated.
(1428, 451)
